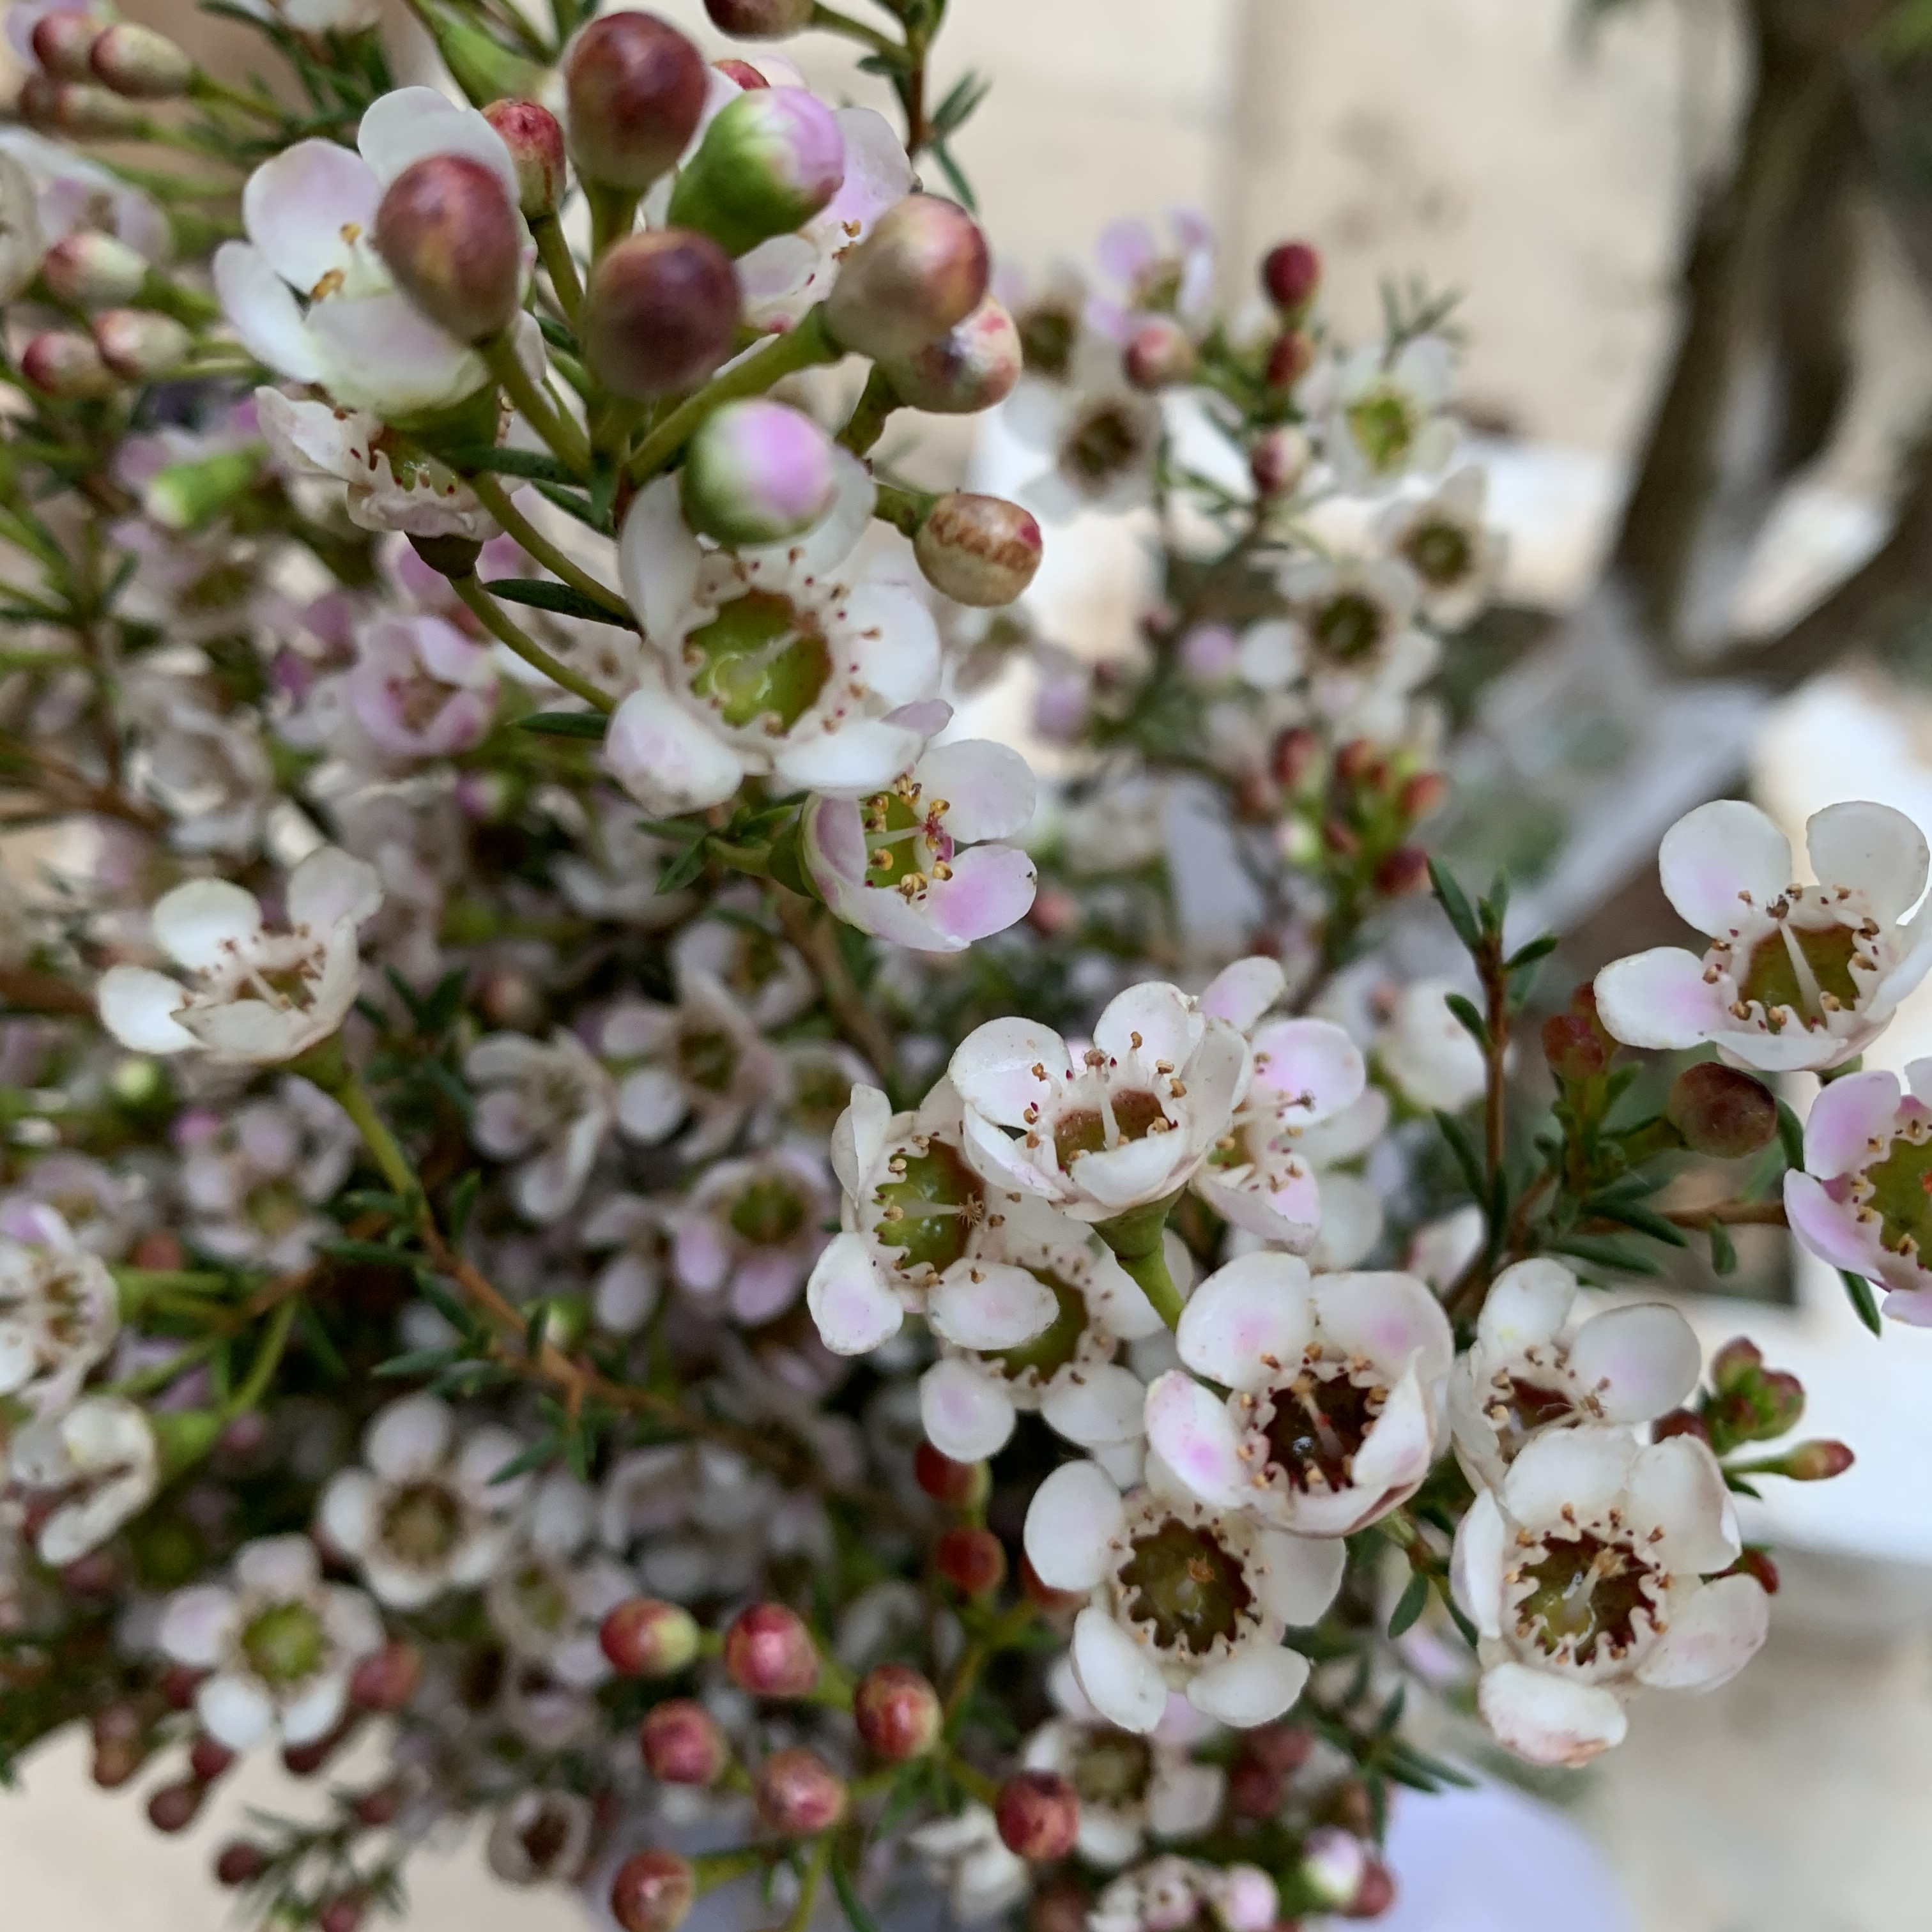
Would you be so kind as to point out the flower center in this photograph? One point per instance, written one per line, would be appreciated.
(1898, 1188)
(1102, 443)
(1050, 1351)
(1135, 1112)
(1383, 425)
(223, 588)
(1585, 1593)
(422, 1523)
(1184, 1581)
(544, 1838)
(930, 1208)
(419, 699)
(1319, 1422)
(706, 1058)
(1518, 1408)
(541, 1596)
(759, 658)
(1114, 1769)
(906, 840)
(1440, 553)
(1046, 341)
(1348, 627)
(1805, 970)
(768, 1213)
(284, 1643)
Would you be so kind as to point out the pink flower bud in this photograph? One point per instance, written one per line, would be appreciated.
(1294, 757)
(94, 270)
(139, 346)
(634, 88)
(798, 1794)
(1289, 359)
(342, 1913)
(1279, 460)
(1422, 795)
(1374, 1895)
(172, 1808)
(139, 63)
(769, 1652)
(968, 369)
(1061, 1905)
(958, 1485)
(1572, 1048)
(973, 1560)
(757, 472)
(67, 366)
(1817, 1461)
(447, 230)
(770, 160)
(1404, 870)
(387, 1681)
(978, 550)
(682, 1743)
(62, 42)
(535, 142)
(897, 1713)
(238, 1862)
(1755, 1564)
(661, 311)
(69, 107)
(1721, 1111)
(1732, 1366)
(646, 1637)
(653, 1891)
(922, 270)
(1160, 354)
(208, 1759)
(1291, 273)
(1038, 1813)
(759, 19)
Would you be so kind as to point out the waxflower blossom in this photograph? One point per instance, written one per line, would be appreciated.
(99, 1463)
(1171, 1891)
(278, 1644)
(1098, 433)
(551, 1592)
(1380, 411)
(419, 688)
(58, 1313)
(1183, 1596)
(254, 997)
(1595, 1572)
(546, 1105)
(1336, 1387)
(1442, 538)
(964, 1853)
(751, 1230)
(1426, 1052)
(1128, 1123)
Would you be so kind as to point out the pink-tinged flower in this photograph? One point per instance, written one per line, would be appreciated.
(1169, 1893)
(1534, 1367)
(308, 292)
(59, 1311)
(427, 1514)
(1456, 555)
(1380, 414)
(1144, 278)
(1336, 1382)
(1098, 433)
(549, 1595)
(963, 1853)
(1127, 1125)
(897, 865)
(635, 1231)
(1586, 1576)
(99, 1463)
(1427, 1051)
(1861, 1202)
(419, 688)
(751, 1230)
(253, 997)
(777, 661)
(547, 1105)
(1792, 976)
(1183, 1597)
(278, 1644)
(103, 1209)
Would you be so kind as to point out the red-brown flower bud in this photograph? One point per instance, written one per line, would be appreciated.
(1816, 1462)
(1404, 870)
(1755, 1563)
(1049, 1599)
(1733, 1365)
(305, 1760)
(1680, 1422)
(381, 1805)
(1294, 757)
(1291, 357)
(921, 271)
(978, 550)
(653, 1891)
(239, 1862)
(172, 1808)
(970, 368)
(447, 230)
(535, 139)
(342, 1913)
(139, 63)
(1374, 1895)
(769, 1652)
(973, 1560)
(207, 1758)
(1573, 1047)
(661, 311)
(759, 19)
(1254, 1791)
(633, 88)
(1061, 1905)
(1358, 763)
(1291, 273)
(1283, 1748)
(958, 1485)
(646, 1637)
(67, 366)
(1038, 1813)
(1721, 1110)
(1422, 795)
(1159, 354)
(682, 1744)
(798, 1794)
(898, 1712)
(62, 42)
(1279, 460)
(387, 1681)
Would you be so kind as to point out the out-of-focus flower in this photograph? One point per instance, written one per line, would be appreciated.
(58, 1313)
(1097, 432)
(964, 1853)
(747, 1238)
(552, 1590)
(1427, 1051)
(547, 1105)
(1456, 555)
(1380, 413)
(1168, 1892)
(101, 1464)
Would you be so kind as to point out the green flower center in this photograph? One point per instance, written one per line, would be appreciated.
(769, 1212)
(1046, 341)
(1114, 1769)
(1318, 1428)
(1900, 1193)
(1773, 978)
(706, 1058)
(1349, 626)
(422, 1523)
(1184, 1582)
(930, 1211)
(540, 1596)
(1049, 1351)
(759, 658)
(284, 1643)
(1103, 442)
(1586, 1592)
(1383, 424)
(1440, 553)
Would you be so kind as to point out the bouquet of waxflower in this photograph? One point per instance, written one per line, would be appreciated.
(598, 1198)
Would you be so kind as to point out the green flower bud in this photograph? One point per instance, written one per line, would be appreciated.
(770, 160)
(139, 345)
(139, 63)
(94, 270)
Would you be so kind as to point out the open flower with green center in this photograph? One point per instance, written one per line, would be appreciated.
(1183, 1597)
(776, 661)
(1595, 1571)
(1792, 976)
(59, 1311)
(549, 1595)
(1336, 1387)
(1099, 433)
(278, 1644)
(427, 1514)
(1534, 1366)
(1456, 556)
(94, 1466)
(1863, 1200)
(1380, 411)
(1125, 1123)
(748, 1236)
(253, 997)
(547, 1105)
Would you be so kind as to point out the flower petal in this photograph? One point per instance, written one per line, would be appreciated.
(1476, 1564)
(667, 759)
(1829, 1229)
(966, 1416)
(1189, 1428)
(1639, 1362)
(1301, 1574)
(1120, 1680)
(234, 1710)
(1252, 1688)
(1390, 1317)
(1711, 1638)
(297, 203)
(1712, 857)
(1096, 1406)
(409, 1439)
(1659, 999)
(1677, 1486)
(1526, 1306)
(1584, 1470)
(329, 885)
(993, 1068)
(1847, 1116)
(1246, 1319)
(262, 311)
(1547, 1719)
(854, 1308)
(137, 1006)
(1307, 1069)
(196, 1624)
(992, 887)
(989, 788)
(1154, 1020)
(1241, 993)
(1074, 1514)
(991, 1305)
(1873, 849)
(196, 923)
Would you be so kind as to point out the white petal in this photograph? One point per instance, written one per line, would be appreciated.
(657, 560)
(853, 1306)
(403, 127)
(992, 887)
(1393, 1318)
(966, 1416)
(858, 1137)
(1123, 1177)
(1831, 1229)
(1189, 1428)
(1303, 1574)
(1241, 993)
(1311, 1067)
(1677, 1486)
(1548, 1719)
(1098, 1405)
(1658, 999)
(234, 1710)
(195, 1624)
(992, 1067)
(1121, 1681)
(991, 1305)
(1711, 855)
(1185, 1799)
(137, 1006)
(1711, 1637)
(667, 759)
(1585, 1470)
(1073, 1516)
(1254, 1310)
(262, 311)
(1873, 849)
(296, 204)
(346, 1513)
(278, 1566)
(196, 923)
(1526, 1307)
(1855, 1110)
(1167, 1022)
(650, 1103)
(317, 1711)
(1476, 1564)
(989, 787)
(1253, 1688)
(329, 885)
(1639, 1362)
(409, 1439)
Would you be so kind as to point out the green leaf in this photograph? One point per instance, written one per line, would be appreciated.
(417, 1362)
(1464, 1149)
(462, 1200)
(372, 1254)
(565, 724)
(683, 869)
(1723, 1249)
(538, 465)
(1495, 908)
(962, 102)
(1603, 1253)
(1413, 1601)
(538, 1453)
(533, 1330)
(315, 1338)
(955, 177)
(463, 1320)
(559, 336)
(575, 503)
(849, 1902)
(1473, 1024)
(1455, 903)
(1790, 1135)
(1645, 1220)
(540, 594)
(1534, 954)
(1864, 1302)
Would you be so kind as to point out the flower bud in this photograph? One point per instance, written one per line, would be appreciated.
(970, 368)
(1374, 1895)
(653, 1891)
(67, 366)
(1160, 354)
(1404, 870)
(973, 1560)
(71, 107)
(1062, 1905)
(449, 235)
(1720, 1110)
(1816, 1462)
(173, 1807)
(120, 1738)
(1279, 460)
(922, 270)
(1291, 273)
(1294, 757)
(769, 1652)
(1754, 1563)
(62, 43)
(757, 472)
(759, 20)
(770, 160)
(682, 1745)
(1735, 1364)
(797, 1793)
(1680, 1422)
(1572, 1047)
(1422, 795)
(387, 1681)
(958, 1485)
(1038, 1813)
(644, 1637)
(1045, 1594)
(239, 1862)
(139, 63)
(94, 271)
(139, 346)
(1254, 1791)
(380, 1806)
(897, 1713)
(978, 550)
(342, 1913)
(208, 1758)
(535, 142)
(1290, 358)
(305, 1760)
(661, 311)
(634, 91)
(1332, 1864)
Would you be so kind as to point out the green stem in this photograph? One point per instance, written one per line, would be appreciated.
(867, 422)
(553, 251)
(833, 21)
(355, 1100)
(138, 1286)
(204, 87)
(814, 1877)
(613, 211)
(971, 1779)
(716, 1868)
(807, 346)
(1138, 1240)
(491, 616)
(905, 510)
(566, 441)
(497, 500)
(268, 1358)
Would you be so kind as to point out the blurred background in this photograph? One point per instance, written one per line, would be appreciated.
(1694, 240)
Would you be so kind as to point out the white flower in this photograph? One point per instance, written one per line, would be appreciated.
(419, 688)
(425, 1516)
(1183, 1597)
(1443, 539)
(103, 1209)
(627, 1290)
(1129, 1125)
(549, 1595)
(1586, 1576)
(23, 246)
(279, 1644)
(1792, 976)
(964, 1853)
(101, 1460)
(749, 1235)
(1099, 433)
(1380, 414)
(1167, 1893)
(768, 979)
(1150, 281)
(58, 1316)
(613, 873)
(253, 997)
(1337, 1385)
(208, 769)
(549, 1105)
(1427, 1051)
(320, 16)
(893, 866)
(310, 213)
(701, 1518)
(1534, 1367)
(777, 660)
(539, 1837)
